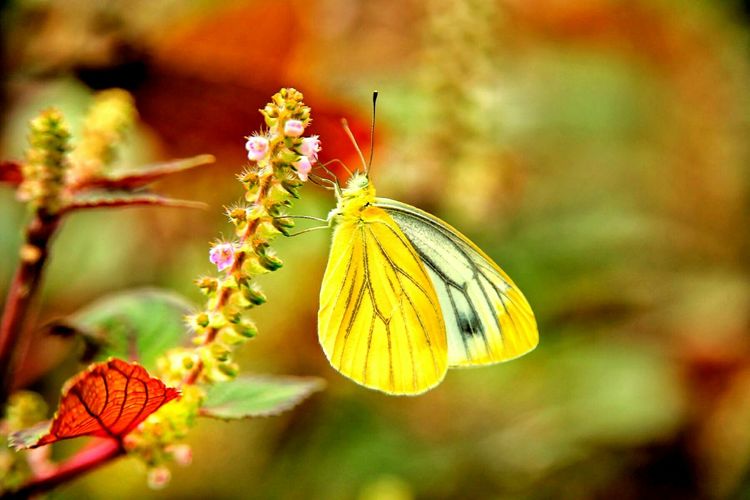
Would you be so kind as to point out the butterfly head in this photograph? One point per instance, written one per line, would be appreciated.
(359, 193)
(355, 196)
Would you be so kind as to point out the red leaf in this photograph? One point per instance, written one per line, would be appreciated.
(10, 172)
(135, 178)
(111, 199)
(109, 399)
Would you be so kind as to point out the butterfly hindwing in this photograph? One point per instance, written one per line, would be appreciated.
(380, 321)
(487, 318)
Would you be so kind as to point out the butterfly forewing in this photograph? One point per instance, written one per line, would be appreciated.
(487, 318)
(380, 321)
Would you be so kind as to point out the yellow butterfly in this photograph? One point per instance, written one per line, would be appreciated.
(406, 296)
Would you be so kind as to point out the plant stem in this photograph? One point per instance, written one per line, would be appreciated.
(82, 462)
(25, 283)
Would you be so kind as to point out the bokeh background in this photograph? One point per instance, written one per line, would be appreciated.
(597, 149)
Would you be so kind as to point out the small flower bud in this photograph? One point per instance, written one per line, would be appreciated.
(230, 282)
(219, 352)
(207, 284)
(230, 337)
(237, 214)
(159, 477)
(257, 147)
(294, 128)
(188, 362)
(182, 453)
(254, 294)
(303, 167)
(229, 369)
(256, 211)
(249, 177)
(222, 255)
(267, 231)
(283, 224)
(247, 328)
(291, 186)
(199, 320)
(310, 148)
(217, 320)
(268, 260)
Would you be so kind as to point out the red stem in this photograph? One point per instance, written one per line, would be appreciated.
(21, 293)
(82, 462)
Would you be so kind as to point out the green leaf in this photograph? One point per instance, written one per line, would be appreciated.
(139, 325)
(257, 396)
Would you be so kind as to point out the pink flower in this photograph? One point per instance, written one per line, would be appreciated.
(257, 147)
(293, 128)
(310, 148)
(182, 454)
(222, 255)
(303, 166)
(159, 477)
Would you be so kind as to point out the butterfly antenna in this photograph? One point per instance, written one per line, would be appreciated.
(333, 181)
(322, 182)
(348, 131)
(372, 130)
(335, 160)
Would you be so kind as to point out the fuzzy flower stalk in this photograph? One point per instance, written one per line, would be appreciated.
(54, 180)
(271, 182)
(280, 160)
(43, 188)
(51, 172)
(112, 115)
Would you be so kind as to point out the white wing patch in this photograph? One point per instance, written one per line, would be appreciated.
(487, 318)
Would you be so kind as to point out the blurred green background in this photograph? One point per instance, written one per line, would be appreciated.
(596, 149)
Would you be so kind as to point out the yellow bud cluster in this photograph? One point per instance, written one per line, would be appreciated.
(46, 162)
(109, 117)
(166, 427)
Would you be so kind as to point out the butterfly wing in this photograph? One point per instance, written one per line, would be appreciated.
(487, 318)
(380, 322)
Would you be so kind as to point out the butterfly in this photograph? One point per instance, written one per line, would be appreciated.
(405, 296)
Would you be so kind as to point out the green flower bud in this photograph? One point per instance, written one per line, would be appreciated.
(283, 224)
(253, 294)
(216, 320)
(246, 328)
(187, 362)
(199, 320)
(230, 337)
(291, 186)
(268, 259)
(220, 352)
(229, 369)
